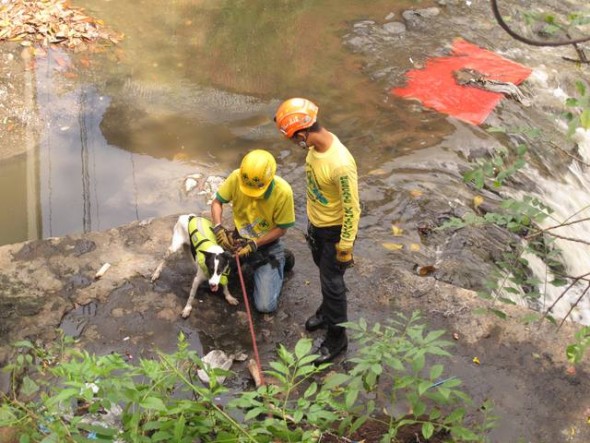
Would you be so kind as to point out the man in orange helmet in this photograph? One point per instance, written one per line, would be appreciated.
(263, 210)
(333, 211)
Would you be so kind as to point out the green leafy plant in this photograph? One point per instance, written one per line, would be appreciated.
(575, 351)
(392, 369)
(579, 116)
(501, 166)
(84, 397)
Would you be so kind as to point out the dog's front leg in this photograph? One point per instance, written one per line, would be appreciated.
(199, 278)
(228, 297)
(158, 271)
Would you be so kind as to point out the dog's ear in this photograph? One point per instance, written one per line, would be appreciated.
(207, 254)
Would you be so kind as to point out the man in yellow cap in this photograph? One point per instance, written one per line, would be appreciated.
(263, 210)
(333, 211)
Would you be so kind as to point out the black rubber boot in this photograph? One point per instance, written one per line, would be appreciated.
(316, 321)
(336, 342)
(289, 260)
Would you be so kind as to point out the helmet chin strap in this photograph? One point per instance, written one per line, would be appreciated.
(303, 143)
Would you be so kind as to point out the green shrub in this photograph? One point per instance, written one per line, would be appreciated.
(80, 397)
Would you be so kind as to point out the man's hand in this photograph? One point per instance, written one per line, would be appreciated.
(247, 248)
(223, 237)
(344, 257)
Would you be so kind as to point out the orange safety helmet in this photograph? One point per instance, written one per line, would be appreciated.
(294, 115)
(257, 171)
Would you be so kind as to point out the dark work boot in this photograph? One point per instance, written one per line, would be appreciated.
(316, 321)
(289, 260)
(336, 342)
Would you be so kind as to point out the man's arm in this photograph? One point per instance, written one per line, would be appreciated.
(216, 212)
(272, 235)
(348, 186)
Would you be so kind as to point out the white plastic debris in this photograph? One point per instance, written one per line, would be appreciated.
(215, 359)
(104, 268)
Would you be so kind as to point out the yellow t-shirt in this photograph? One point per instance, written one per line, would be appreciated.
(332, 190)
(254, 217)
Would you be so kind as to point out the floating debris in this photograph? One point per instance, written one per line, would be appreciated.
(52, 22)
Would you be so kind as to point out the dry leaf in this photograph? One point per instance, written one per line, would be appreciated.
(476, 360)
(396, 231)
(425, 270)
(414, 247)
(416, 193)
(477, 200)
(392, 246)
(51, 21)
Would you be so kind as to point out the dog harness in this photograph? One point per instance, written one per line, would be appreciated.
(201, 233)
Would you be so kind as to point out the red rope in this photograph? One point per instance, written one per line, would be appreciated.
(250, 322)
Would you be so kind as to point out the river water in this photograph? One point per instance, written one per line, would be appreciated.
(194, 84)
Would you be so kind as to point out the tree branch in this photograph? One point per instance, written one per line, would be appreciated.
(528, 41)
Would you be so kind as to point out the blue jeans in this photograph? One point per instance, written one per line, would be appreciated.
(268, 265)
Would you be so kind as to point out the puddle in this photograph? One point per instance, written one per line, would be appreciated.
(74, 322)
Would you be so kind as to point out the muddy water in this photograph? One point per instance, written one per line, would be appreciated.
(191, 88)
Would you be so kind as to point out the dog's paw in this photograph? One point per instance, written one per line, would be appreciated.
(232, 300)
(186, 311)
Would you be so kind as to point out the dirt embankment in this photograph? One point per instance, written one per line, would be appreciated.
(522, 369)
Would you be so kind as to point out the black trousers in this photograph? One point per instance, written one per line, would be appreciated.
(322, 242)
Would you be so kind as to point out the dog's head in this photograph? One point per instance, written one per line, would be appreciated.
(217, 264)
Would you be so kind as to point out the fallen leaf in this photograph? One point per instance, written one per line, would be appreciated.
(477, 200)
(396, 230)
(455, 336)
(425, 270)
(416, 193)
(476, 360)
(392, 246)
(571, 370)
(414, 247)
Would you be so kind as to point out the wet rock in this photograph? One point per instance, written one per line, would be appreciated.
(394, 28)
(17, 307)
(363, 24)
(46, 249)
(416, 15)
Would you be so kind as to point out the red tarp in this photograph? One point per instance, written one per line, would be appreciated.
(436, 87)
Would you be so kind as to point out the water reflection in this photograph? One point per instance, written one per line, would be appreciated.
(121, 128)
(86, 183)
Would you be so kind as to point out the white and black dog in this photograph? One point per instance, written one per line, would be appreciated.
(211, 260)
